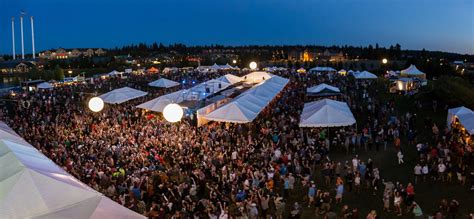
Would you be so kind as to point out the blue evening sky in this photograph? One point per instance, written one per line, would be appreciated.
(446, 25)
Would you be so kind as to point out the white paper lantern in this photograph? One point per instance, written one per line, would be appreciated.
(96, 104)
(253, 65)
(173, 112)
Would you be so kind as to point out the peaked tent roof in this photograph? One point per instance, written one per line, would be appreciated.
(159, 103)
(246, 107)
(322, 69)
(163, 82)
(460, 112)
(44, 85)
(32, 186)
(412, 70)
(114, 72)
(326, 113)
(121, 95)
(321, 87)
(257, 76)
(364, 75)
(467, 120)
(230, 79)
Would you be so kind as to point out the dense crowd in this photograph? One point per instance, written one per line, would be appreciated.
(219, 170)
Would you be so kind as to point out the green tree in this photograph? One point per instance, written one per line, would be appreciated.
(58, 73)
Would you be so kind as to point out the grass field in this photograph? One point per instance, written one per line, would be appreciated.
(428, 194)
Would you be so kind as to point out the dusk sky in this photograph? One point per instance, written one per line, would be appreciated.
(446, 25)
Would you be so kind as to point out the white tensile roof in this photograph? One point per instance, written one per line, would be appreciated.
(230, 79)
(121, 95)
(464, 115)
(44, 85)
(364, 75)
(163, 82)
(412, 70)
(320, 87)
(33, 186)
(326, 113)
(246, 107)
(257, 76)
(113, 73)
(322, 69)
(159, 103)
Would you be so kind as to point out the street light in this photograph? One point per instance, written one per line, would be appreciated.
(96, 104)
(253, 65)
(173, 112)
(234, 61)
(384, 61)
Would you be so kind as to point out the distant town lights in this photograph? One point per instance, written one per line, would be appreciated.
(253, 65)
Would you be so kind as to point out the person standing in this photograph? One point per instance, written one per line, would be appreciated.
(417, 211)
(400, 157)
(418, 172)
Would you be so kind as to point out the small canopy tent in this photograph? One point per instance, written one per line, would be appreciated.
(159, 103)
(326, 113)
(44, 85)
(458, 112)
(163, 82)
(121, 95)
(342, 72)
(152, 70)
(412, 71)
(364, 75)
(301, 70)
(323, 90)
(114, 73)
(467, 121)
(33, 186)
(230, 79)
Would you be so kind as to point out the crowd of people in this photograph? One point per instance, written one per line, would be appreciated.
(255, 170)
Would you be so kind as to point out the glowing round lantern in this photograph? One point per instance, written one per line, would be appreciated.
(173, 112)
(96, 104)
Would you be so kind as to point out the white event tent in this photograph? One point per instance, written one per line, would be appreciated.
(465, 116)
(230, 79)
(121, 95)
(163, 82)
(412, 71)
(159, 103)
(364, 75)
(33, 186)
(257, 77)
(326, 113)
(322, 69)
(323, 89)
(44, 85)
(246, 107)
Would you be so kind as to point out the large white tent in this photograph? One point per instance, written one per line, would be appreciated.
(44, 85)
(246, 107)
(163, 82)
(322, 69)
(326, 113)
(204, 89)
(412, 71)
(323, 89)
(33, 186)
(364, 75)
(121, 95)
(159, 103)
(465, 116)
(257, 76)
(230, 79)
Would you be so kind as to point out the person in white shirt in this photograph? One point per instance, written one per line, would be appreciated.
(441, 171)
(425, 171)
(418, 172)
(400, 157)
